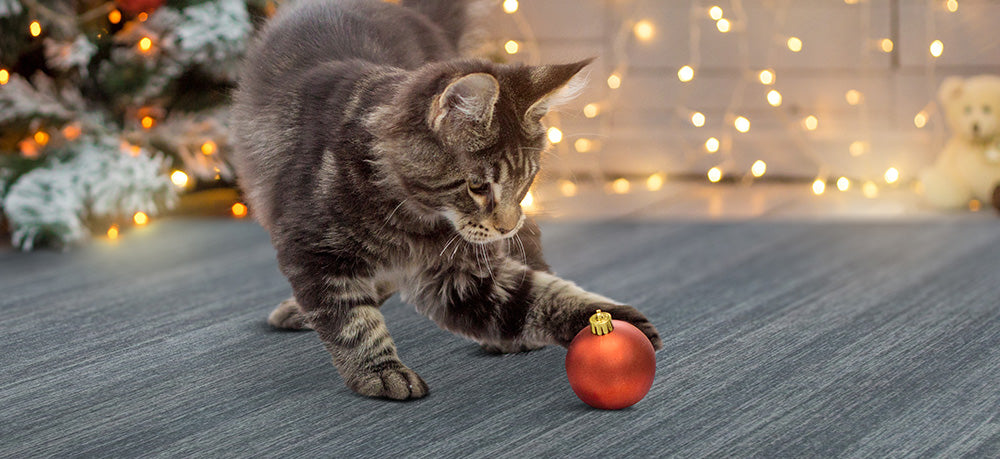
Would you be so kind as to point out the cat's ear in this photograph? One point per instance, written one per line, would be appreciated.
(466, 103)
(554, 85)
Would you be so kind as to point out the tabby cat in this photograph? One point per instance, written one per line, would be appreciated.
(379, 160)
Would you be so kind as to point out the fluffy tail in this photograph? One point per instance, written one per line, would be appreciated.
(451, 15)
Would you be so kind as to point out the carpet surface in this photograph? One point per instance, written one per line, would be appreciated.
(780, 339)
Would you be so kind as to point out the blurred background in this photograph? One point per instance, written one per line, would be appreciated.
(113, 114)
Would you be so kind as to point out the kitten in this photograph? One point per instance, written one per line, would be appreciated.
(381, 161)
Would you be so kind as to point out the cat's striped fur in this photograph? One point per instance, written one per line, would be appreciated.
(380, 161)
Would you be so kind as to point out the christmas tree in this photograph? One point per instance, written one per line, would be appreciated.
(111, 109)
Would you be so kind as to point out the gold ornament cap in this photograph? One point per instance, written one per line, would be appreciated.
(600, 323)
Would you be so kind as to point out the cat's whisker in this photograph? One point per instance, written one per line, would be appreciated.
(393, 213)
(449, 243)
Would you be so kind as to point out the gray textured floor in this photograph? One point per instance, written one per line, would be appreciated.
(781, 339)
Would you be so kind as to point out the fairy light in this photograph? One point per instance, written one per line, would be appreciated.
(614, 81)
(723, 25)
(142, 17)
(567, 188)
(655, 181)
(886, 45)
(758, 168)
(208, 148)
(819, 186)
(35, 28)
(975, 205)
(583, 145)
(113, 232)
(621, 186)
(766, 77)
(891, 175)
(140, 218)
(510, 6)
(811, 123)
(239, 210)
(869, 189)
(741, 124)
(41, 137)
(843, 184)
(4, 76)
(794, 44)
(714, 175)
(851, 2)
(644, 30)
(72, 131)
(28, 148)
(115, 16)
(936, 48)
(858, 148)
(712, 145)
(853, 97)
(147, 121)
(179, 178)
(920, 120)
(590, 110)
(145, 44)
(511, 47)
(685, 73)
(952, 5)
(554, 135)
(698, 119)
(774, 98)
(715, 13)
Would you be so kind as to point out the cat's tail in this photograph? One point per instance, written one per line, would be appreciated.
(453, 16)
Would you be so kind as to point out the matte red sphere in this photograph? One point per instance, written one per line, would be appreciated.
(611, 371)
(139, 6)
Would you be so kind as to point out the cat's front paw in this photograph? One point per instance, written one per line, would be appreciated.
(396, 382)
(507, 348)
(633, 316)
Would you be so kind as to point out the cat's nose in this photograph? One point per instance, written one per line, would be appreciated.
(975, 128)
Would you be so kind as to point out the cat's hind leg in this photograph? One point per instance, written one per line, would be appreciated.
(288, 316)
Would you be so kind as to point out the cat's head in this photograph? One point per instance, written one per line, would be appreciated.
(464, 139)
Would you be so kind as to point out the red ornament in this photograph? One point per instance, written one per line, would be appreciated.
(610, 364)
(139, 6)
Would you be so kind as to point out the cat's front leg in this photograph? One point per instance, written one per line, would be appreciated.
(341, 306)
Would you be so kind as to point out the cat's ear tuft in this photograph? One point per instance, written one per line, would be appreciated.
(468, 101)
(554, 85)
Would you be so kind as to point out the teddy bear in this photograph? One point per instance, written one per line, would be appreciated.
(969, 166)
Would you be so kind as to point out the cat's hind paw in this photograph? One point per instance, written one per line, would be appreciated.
(288, 316)
(397, 383)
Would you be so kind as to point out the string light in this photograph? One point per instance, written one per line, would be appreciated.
(145, 44)
(723, 25)
(774, 98)
(614, 81)
(510, 6)
(590, 110)
(920, 120)
(843, 184)
(147, 121)
(35, 28)
(741, 124)
(886, 45)
(715, 13)
(655, 181)
(698, 119)
(952, 5)
(794, 44)
(511, 47)
(811, 123)
(72, 131)
(936, 48)
(685, 73)
(975, 205)
(891, 175)
(621, 186)
(239, 210)
(4, 76)
(179, 178)
(554, 135)
(858, 148)
(644, 30)
(583, 145)
(766, 77)
(113, 232)
(208, 148)
(140, 218)
(567, 188)
(758, 168)
(42, 138)
(869, 189)
(115, 16)
(853, 97)
(712, 145)
(819, 186)
(714, 175)
(142, 17)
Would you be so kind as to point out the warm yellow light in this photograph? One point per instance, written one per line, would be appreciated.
(583, 145)
(35, 28)
(758, 168)
(4, 76)
(774, 98)
(140, 218)
(952, 5)
(858, 148)
(528, 200)
(819, 186)
(920, 120)
(145, 44)
(936, 48)
(42, 138)
(685, 73)
(853, 96)
(723, 25)
(554, 134)
(714, 174)
(510, 6)
(644, 30)
(72, 131)
(614, 81)
(869, 189)
(843, 184)
(115, 16)
(147, 121)
(698, 119)
(975, 205)
(851, 2)
(655, 181)
(239, 210)
(511, 47)
(891, 175)
(766, 77)
(142, 17)
(811, 123)
(712, 145)
(590, 110)
(567, 188)
(209, 148)
(715, 13)
(886, 45)
(179, 178)
(113, 232)
(794, 44)
(621, 186)
(742, 124)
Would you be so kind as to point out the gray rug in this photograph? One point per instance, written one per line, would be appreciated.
(781, 339)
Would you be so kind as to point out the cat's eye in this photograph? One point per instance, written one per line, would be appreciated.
(478, 187)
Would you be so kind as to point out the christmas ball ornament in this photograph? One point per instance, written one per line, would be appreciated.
(139, 6)
(610, 364)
